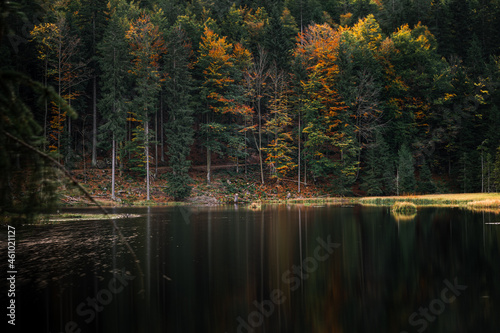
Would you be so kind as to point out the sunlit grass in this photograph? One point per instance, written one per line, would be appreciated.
(481, 200)
(404, 208)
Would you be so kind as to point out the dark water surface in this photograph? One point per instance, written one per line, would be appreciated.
(279, 269)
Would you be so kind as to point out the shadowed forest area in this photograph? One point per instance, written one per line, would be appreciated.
(382, 97)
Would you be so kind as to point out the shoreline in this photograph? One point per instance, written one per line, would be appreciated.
(463, 200)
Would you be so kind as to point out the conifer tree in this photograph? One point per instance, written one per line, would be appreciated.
(496, 170)
(179, 131)
(425, 184)
(147, 46)
(406, 171)
(379, 170)
(114, 60)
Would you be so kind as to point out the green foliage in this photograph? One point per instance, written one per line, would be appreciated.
(114, 60)
(426, 184)
(279, 151)
(378, 174)
(406, 171)
(179, 131)
(279, 38)
(367, 77)
(496, 170)
(28, 182)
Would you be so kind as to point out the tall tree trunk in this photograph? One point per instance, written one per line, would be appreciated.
(156, 143)
(209, 158)
(68, 144)
(298, 156)
(113, 161)
(94, 124)
(209, 162)
(482, 173)
(46, 108)
(245, 147)
(260, 145)
(94, 99)
(146, 150)
(59, 106)
(162, 144)
(83, 153)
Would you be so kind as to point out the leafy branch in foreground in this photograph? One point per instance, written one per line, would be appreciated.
(86, 193)
(27, 179)
(27, 183)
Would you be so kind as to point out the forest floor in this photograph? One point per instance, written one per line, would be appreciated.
(226, 182)
(130, 190)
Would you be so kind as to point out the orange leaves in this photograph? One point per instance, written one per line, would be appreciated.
(220, 63)
(242, 56)
(318, 45)
(318, 48)
(215, 47)
(146, 42)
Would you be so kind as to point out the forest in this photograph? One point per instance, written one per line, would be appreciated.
(370, 97)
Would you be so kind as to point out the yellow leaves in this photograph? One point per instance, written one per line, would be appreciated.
(214, 46)
(46, 35)
(448, 96)
(242, 56)
(368, 32)
(147, 44)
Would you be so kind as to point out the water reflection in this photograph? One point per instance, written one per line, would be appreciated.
(292, 268)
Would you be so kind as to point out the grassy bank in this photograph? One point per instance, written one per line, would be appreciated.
(464, 200)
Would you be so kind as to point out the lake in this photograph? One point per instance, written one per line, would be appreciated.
(281, 268)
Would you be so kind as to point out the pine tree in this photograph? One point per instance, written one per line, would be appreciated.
(90, 17)
(114, 60)
(379, 170)
(406, 171)
(496, 170)
(147, 47)
(426, 184)
(179, 131)
(280, 33)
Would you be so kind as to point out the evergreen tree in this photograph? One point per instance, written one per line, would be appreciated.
(425, 184)
(147, 46)
(496, 170)
(406, 171)
(179, 131)
(279, 38)
(114, 59)
(379, 170)
(90, 19)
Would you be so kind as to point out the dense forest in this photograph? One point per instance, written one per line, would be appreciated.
(368, 96)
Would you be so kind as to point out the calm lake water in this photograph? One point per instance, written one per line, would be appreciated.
(279, 269)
